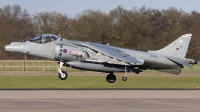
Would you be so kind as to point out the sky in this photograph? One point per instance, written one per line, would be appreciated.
(74, 7)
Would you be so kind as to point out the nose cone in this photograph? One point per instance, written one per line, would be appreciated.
(15, 47)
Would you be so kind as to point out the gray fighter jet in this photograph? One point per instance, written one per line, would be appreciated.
(104, 58)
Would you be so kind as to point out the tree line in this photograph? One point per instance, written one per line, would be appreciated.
(139, 28)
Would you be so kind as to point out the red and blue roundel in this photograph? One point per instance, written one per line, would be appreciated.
(64, 50)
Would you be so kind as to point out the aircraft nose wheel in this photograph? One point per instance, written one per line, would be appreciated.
(63, 76)
(111, 78)
(124, 78)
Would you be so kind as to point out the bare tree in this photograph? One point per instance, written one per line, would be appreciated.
(51, 22)
(15, 26)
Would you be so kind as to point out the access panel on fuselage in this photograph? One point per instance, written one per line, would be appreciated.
(67, 53)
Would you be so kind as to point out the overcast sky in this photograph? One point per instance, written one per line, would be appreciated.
(73, 7)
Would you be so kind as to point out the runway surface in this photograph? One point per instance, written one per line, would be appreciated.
(99, 100)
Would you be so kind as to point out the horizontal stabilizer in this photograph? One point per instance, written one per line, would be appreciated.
(180, 61)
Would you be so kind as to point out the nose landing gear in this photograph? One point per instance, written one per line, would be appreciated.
(62, 74)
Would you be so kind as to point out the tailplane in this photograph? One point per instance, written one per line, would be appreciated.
(177, 48)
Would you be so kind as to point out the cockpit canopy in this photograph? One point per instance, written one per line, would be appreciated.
(44, 38)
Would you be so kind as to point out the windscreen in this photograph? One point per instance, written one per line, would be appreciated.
(41, 39)
(37, 39)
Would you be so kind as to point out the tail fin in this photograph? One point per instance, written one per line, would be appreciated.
(177, 48)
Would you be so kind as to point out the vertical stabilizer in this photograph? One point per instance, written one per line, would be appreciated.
(177, 48)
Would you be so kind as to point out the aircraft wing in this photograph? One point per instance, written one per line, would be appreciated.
(113, 53)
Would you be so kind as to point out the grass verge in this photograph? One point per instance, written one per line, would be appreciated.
(97, 82)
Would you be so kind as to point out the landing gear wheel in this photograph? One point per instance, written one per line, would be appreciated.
(111, 78)
(63, 76)
(137, 72)
(124, 78)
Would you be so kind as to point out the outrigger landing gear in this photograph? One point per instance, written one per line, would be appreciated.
(62, 74)
(111, 78)
(124, 78)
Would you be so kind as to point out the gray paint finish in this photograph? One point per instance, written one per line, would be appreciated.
(104, 58)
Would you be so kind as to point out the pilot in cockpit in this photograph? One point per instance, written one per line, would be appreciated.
(42, 39)
(52, 39)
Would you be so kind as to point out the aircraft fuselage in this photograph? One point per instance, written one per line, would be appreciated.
(104, 58)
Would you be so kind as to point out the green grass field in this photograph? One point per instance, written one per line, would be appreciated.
(192, 79)
(45, 66)
(98, 82)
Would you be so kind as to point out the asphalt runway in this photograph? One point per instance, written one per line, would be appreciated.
(99, 100)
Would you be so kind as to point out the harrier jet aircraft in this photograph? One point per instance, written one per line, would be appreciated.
(104, 58)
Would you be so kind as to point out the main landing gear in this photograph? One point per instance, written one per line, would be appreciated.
(62, 74)
(111, 78)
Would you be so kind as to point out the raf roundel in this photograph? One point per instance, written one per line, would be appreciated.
(64, 50)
